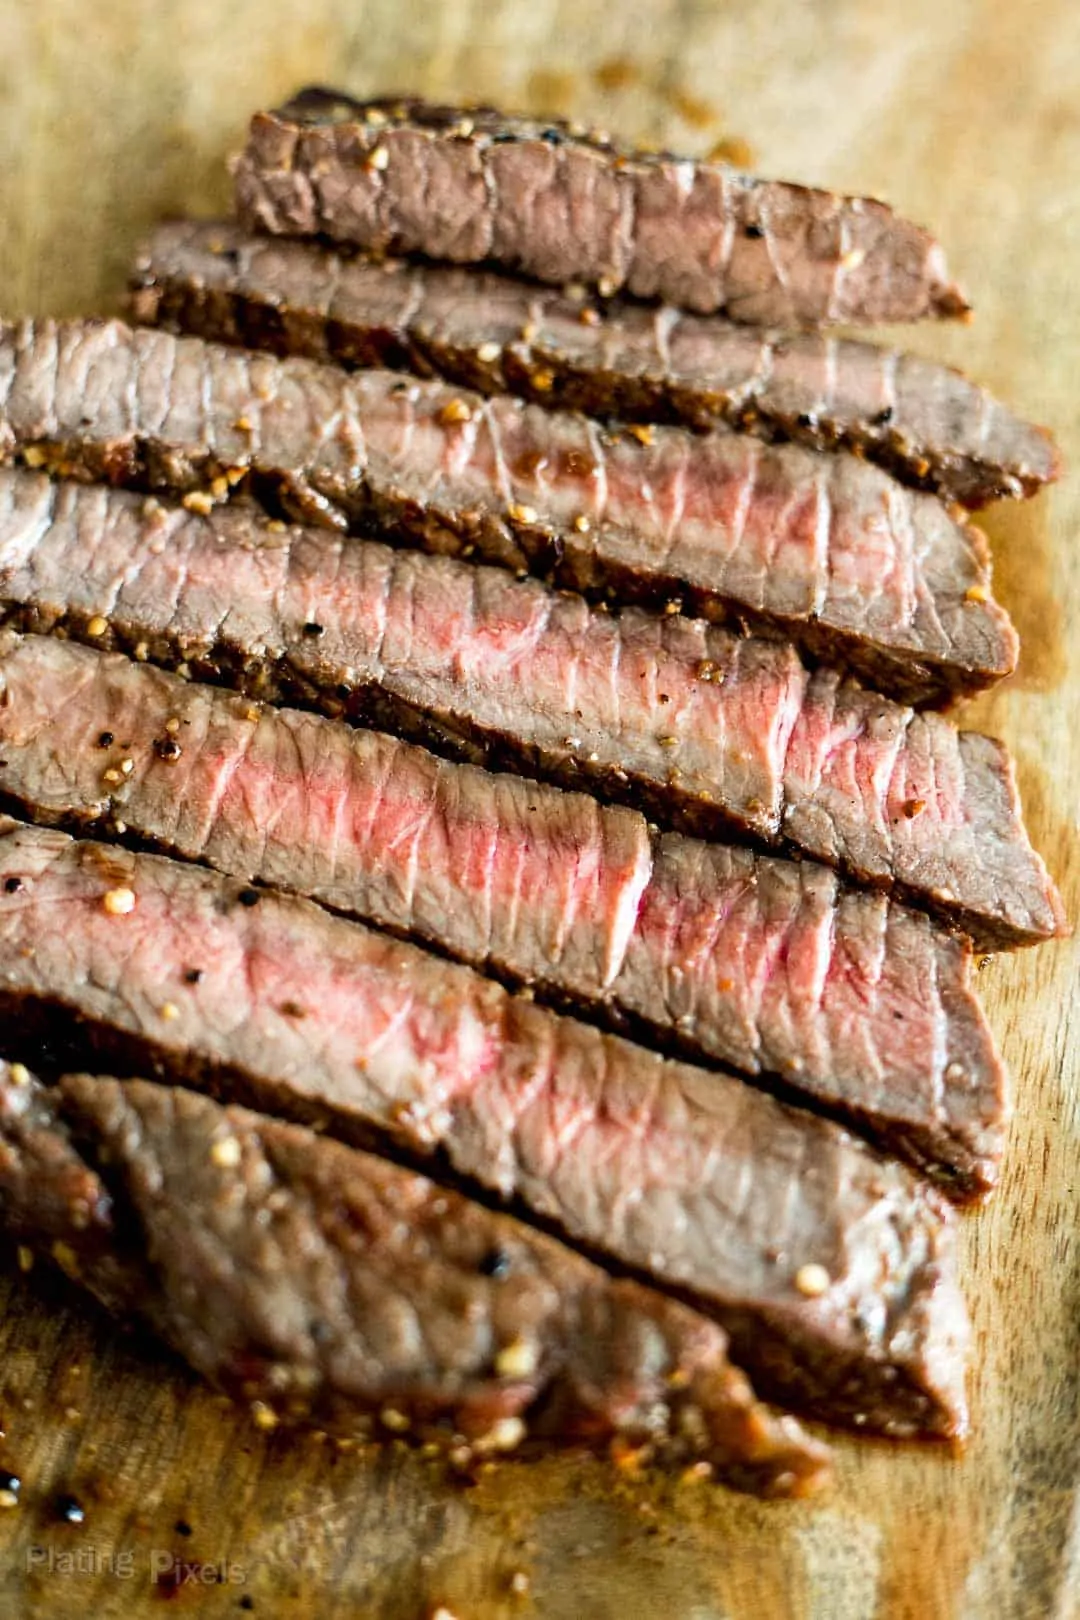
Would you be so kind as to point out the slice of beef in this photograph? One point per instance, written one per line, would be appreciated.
(708, 732)
(925, 423)
(832, 1268)
(562, 203)
(329, 1287)
(826, 550)
(768, 965)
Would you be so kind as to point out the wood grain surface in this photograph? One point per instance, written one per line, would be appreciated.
(966, 114)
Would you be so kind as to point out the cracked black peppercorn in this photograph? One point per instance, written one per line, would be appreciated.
(495, 1263)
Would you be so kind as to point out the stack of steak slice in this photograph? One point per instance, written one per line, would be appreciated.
(344, 1290)
(829, 1266)
(771, 966)
(826, 549)
(927, 425)
(264, 858)
(708, 732)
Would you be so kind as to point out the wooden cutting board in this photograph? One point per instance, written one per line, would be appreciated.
(965, 113)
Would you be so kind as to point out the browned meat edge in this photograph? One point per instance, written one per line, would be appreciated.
(474, 185)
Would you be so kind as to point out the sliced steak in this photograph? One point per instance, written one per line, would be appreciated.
(563, 204)
(824, 549)
(832, 1268)
(768, 965)
(329, 1287)
(925, 423)
(709, 732)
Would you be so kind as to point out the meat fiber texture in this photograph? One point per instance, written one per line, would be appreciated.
(825, 550)
(708, 732)
(832, 1269)
(928, 425)
(768, 965)
(561, 203)
(325, 1286)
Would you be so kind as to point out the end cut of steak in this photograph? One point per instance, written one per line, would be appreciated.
(562, 203)
(825, 549)
(330, 1287)
(706, 731)
(832, 1269)
(769, 965)
(926, 424)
